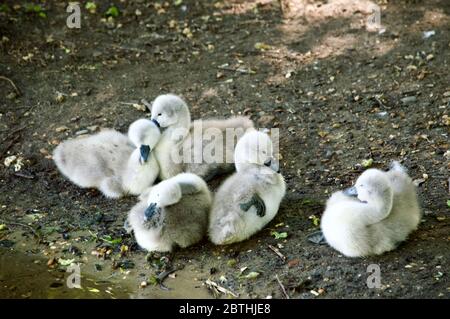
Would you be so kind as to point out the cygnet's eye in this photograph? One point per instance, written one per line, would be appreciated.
(159, 114)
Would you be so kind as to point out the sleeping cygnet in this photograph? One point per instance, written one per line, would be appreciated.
(185, 146)
(250, 198)
(110, 161)
(374, 216)
(172, 213)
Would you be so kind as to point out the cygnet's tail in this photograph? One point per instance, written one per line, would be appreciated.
(59, 156)
(396, 166)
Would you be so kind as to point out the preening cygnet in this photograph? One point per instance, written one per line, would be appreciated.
(110, 161)
(204, 147)
(250, 198)
(142, 167)
(172, 213)
(374, 216)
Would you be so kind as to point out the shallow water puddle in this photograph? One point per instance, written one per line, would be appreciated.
(21, 277)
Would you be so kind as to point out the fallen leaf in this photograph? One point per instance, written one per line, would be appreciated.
(315, 220)
(65, 262)
(278, 235)
(252, 275)
(367, 163)
(95, 290)
(262, 46)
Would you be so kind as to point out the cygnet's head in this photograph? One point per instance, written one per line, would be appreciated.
(255, 148)
(144, 134)
(170, 110)
(372, 187)
(164, 194)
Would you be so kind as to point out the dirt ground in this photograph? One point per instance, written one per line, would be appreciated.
(341, 95)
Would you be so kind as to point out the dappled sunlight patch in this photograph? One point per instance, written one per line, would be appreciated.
(334, 45)
(240, 7)
(435, 18)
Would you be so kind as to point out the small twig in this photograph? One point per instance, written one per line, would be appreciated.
(23, 225)
(282, 287)
(19, 174)
(11, 82)
(278, 252)
(240, 70)
(128, 48)
(162, 276)
(210, 284)
(147, 104)
(379, 102)
(10, 144)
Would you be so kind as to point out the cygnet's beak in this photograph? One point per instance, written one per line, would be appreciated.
(352, 191)
(150, 211)
(273, 165)
(156, 123)
(145, 152)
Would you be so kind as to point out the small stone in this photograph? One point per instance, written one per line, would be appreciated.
(51, 262)
(61, 129)
(293, 263)
(143, 284)
(59, 97)
(93, 128)
(81, 132)
(409, 99)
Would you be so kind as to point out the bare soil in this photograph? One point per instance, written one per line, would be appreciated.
(334, 89)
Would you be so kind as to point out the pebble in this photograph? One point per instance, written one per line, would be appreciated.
(409, 99)
(61, 129)
(81, 132)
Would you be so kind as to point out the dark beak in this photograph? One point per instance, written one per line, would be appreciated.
(351, 192)
(273, 165)
(156, 123)
(145, 152)
(150, 211)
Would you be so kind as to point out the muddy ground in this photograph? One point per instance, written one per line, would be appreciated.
(335, 88)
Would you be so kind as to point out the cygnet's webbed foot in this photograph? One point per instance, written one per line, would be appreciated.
(127, 226)
(317, 238)
(152, 216)
(257, 202)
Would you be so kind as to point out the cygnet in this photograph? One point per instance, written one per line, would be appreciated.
(111, 161)
(172, 213)
(374, 216)
(250, 198)
(203, 147)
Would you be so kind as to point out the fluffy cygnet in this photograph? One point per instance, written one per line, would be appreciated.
(374, 216)
(200, 147)
(172, 213)
(142, 167)
(250, 198)
(110, 161)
